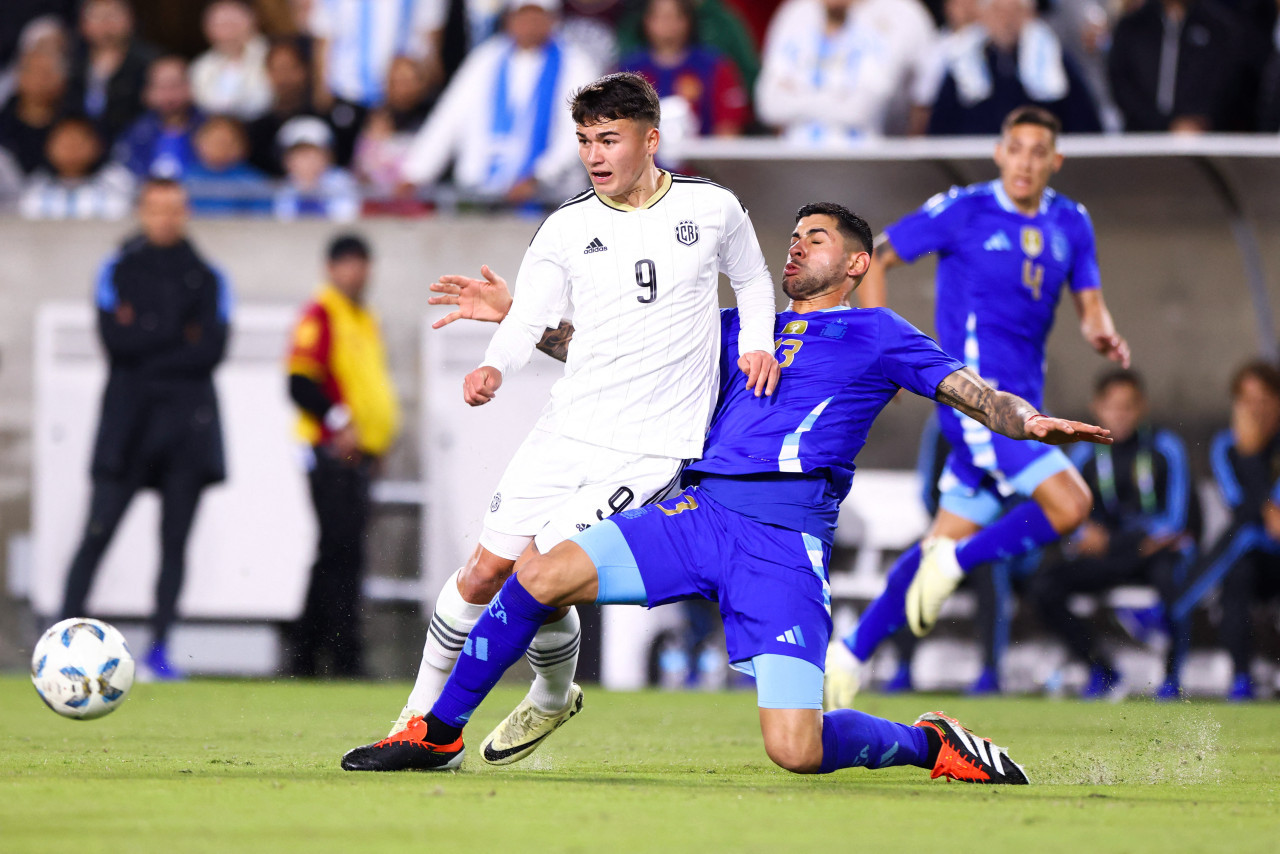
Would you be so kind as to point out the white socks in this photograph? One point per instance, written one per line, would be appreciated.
(451, 622)
(554, 656)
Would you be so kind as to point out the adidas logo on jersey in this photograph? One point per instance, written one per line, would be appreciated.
(998, 242)
(792, 636)
(594, 246)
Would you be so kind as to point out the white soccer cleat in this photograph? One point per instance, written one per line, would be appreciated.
(525, 729)
(841, 679)
(936, 579)
(403, 721)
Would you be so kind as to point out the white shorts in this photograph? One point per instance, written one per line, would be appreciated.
(555, 487)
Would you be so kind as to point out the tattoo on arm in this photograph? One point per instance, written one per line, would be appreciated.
(1004, 413)
(555, 342)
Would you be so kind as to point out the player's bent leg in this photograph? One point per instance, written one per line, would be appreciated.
(603, 553)
(939, 573)
(459, 605)
(1065, 499)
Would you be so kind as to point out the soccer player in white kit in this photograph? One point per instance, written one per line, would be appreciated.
(638, 256)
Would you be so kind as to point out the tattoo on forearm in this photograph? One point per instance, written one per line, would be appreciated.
(555, 342)
(1004, 413)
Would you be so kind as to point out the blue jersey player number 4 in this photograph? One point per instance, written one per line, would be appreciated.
(752, 527)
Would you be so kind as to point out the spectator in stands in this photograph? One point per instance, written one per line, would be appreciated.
(1008, 59)
(1084, 28)
(1245, 560)
(313, 186)
(36, 104)
(719, 27)
(290, 82)
(109, 69)
(502, 120)
(678, 66)
(1186, 66)
(833, 69)
(159, 143)
(357, 39)
(78, 185)
(958, 15)
(46, 33)
(1143, 529)
(388, 132)
(163, 315)
(231, 77)
(220, 181)
(349, 418)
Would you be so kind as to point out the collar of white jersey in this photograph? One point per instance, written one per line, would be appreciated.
(664, 184)
(1003, 200)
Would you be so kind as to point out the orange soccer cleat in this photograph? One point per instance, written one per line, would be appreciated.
(965, 757)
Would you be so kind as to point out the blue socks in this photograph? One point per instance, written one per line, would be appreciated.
(850, 738)
(1019, 531)
(888, 612)
(499, 638)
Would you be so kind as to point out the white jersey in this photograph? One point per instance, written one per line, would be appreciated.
(642, 373)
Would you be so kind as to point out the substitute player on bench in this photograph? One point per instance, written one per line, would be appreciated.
(639, 256)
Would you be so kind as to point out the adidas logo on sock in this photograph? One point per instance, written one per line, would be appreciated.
(792, 636)
(594, 246)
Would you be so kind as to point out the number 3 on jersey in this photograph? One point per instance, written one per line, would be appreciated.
(785, 349)
(647, 277)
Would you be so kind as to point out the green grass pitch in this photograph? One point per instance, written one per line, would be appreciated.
(230, 766)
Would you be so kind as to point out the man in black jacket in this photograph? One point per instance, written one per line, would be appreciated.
(1187, 66)
(1142, 530)
(163, 314)
(1245, 559)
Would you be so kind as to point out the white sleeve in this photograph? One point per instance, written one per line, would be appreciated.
(541, 297)
(743, 262)
(437, 141)
(320, 22)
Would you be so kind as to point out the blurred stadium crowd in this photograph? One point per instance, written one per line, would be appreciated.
(333, 108)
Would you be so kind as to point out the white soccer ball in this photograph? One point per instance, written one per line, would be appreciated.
(82, 668)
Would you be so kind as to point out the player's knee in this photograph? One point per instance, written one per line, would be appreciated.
(483, 576)
(1068, 507)
(796, 756)
(542, 578)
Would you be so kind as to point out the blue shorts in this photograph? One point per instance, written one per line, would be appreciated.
(985, 470)
(771, 584)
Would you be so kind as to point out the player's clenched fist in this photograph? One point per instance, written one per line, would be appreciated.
(481, 385)
(762, 371)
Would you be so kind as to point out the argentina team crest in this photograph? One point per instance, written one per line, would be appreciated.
(1032, 241)
(687, 232)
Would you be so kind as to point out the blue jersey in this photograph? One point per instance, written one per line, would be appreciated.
(999, 276)
(788, 459)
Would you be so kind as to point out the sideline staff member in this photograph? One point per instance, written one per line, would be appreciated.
(163, 314)
(348, 414)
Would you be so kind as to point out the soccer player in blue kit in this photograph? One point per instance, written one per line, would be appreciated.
(753, 527)
(1005, 250)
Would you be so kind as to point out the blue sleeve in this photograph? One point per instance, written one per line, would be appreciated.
(1223, 472)
(933, 228)
(226, 297)
(911, 359)
(1085, 274)
(1172, 519)
(104, 292)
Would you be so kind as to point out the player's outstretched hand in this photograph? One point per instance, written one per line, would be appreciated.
(762, 371)
(486, 299)
(1060, 431)
(479, 386)
(1113, 347)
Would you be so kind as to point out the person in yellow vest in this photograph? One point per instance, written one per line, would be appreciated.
(349, 417)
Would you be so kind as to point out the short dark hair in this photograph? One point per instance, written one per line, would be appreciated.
(849, 224)
(1032, 115)
(347, 244)
(1119, 376)
(623, 95)
(155, 182)
(1261, 370)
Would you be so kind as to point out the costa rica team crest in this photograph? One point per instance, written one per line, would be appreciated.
(687, 232)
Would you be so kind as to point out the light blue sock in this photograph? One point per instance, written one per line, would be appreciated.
(850, 738)
(888, 612)
(1022, 529)
(502, 634)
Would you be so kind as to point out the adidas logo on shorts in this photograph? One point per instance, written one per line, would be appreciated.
(792, 636)
(594, 246)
